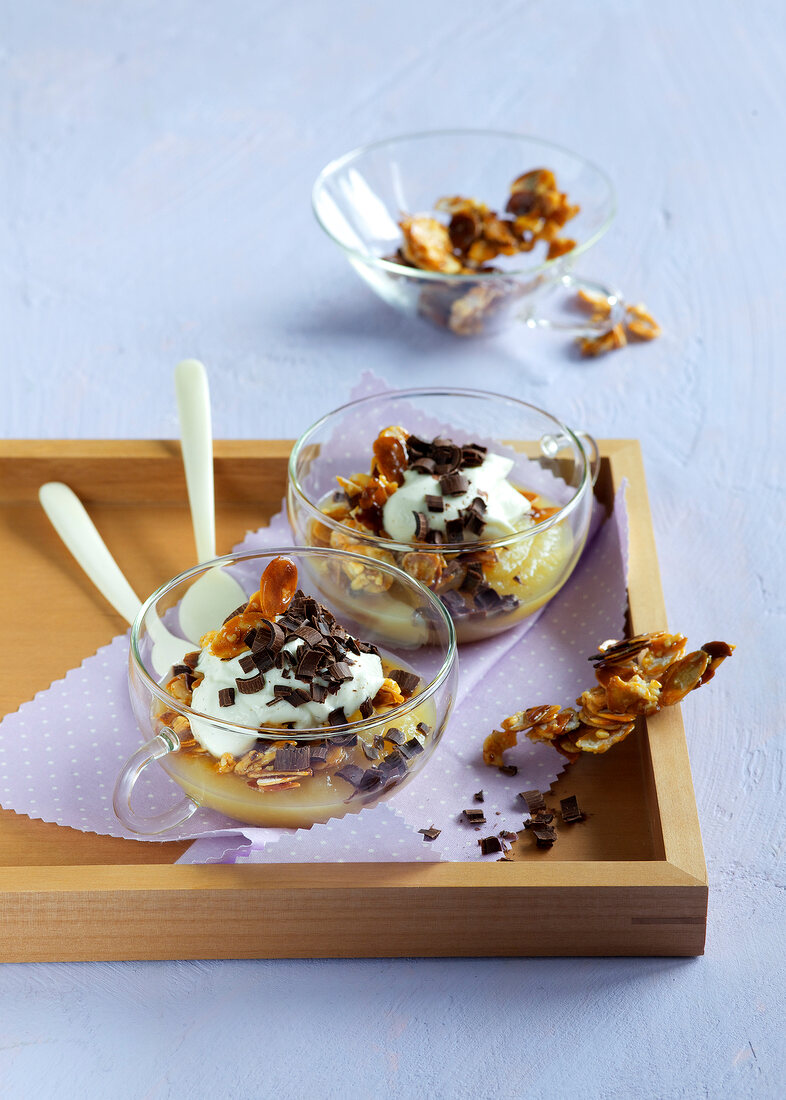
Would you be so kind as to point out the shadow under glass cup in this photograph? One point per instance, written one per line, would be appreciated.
(524, 570)
(419, 639)
(360, 198)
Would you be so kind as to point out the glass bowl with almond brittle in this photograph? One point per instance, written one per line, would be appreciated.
(473, 229)
(293, 710)
(483, 499)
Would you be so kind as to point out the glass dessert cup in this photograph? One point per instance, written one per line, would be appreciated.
(379, 753)
(359, 200)
(525, 569)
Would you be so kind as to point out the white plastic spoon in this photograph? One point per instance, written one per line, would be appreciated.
(210, 598)
(74, 526)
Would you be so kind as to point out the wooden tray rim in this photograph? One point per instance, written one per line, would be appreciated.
(674, 804)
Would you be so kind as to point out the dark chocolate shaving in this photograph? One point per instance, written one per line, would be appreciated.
(407, 681)
(351, 773)
(539, 817)
(247, 662)
(454, 530)
(472, 455)
(490, 845)
(297, 697)
(474, 577)
(292, 758)
(452, 576)
(434, 503)
(366, 708)
(534, 800)
(475, 817)
(472, 522)
(337, 717)
(431, 833)
(226, 697)
(417, 447)
(509, 769)
(345, 740)
(263, 659)
(309, 634)
(571, 813)
(545, 835)
(394, 764)
(421, 526)
(424, 465)
(621, 651)
(309, 663)
(488, 599)
(453, 484)
(478, 796)
(423, 729)
(395, 735)
(260, 637)
(252, 685)
(372, 778)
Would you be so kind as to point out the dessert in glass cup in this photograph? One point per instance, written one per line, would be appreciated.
(284, 715)
(484, 499)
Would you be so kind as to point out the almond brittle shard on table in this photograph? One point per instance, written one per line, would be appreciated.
(637, 676)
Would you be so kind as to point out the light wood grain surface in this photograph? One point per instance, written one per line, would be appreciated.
(155, 177)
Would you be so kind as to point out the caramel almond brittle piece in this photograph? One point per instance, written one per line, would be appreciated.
(639, 676)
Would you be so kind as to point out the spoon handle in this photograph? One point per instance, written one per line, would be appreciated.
(193, 407)
(75, 527)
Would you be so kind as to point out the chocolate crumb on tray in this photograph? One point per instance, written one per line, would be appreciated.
(534, 800)
(545, 835)
(571, 814)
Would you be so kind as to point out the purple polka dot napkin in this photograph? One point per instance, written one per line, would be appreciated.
(61, 752)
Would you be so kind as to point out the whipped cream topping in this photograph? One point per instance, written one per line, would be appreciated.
(505, 505)
(253, 710)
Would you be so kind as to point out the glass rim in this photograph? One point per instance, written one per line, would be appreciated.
(278, 733)
(333, 166)
(453, 547)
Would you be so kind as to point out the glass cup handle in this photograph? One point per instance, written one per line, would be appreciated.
(546, 304)
(592, 451)
(164, 742)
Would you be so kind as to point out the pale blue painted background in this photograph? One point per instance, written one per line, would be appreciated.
(154, 203)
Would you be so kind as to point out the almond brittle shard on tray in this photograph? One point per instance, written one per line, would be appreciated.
(637, 676)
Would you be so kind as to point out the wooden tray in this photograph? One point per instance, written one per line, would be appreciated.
(631, 881)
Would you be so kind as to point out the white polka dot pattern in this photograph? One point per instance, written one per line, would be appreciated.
(60, 753)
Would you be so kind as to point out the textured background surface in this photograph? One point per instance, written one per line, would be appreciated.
(155, 174)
